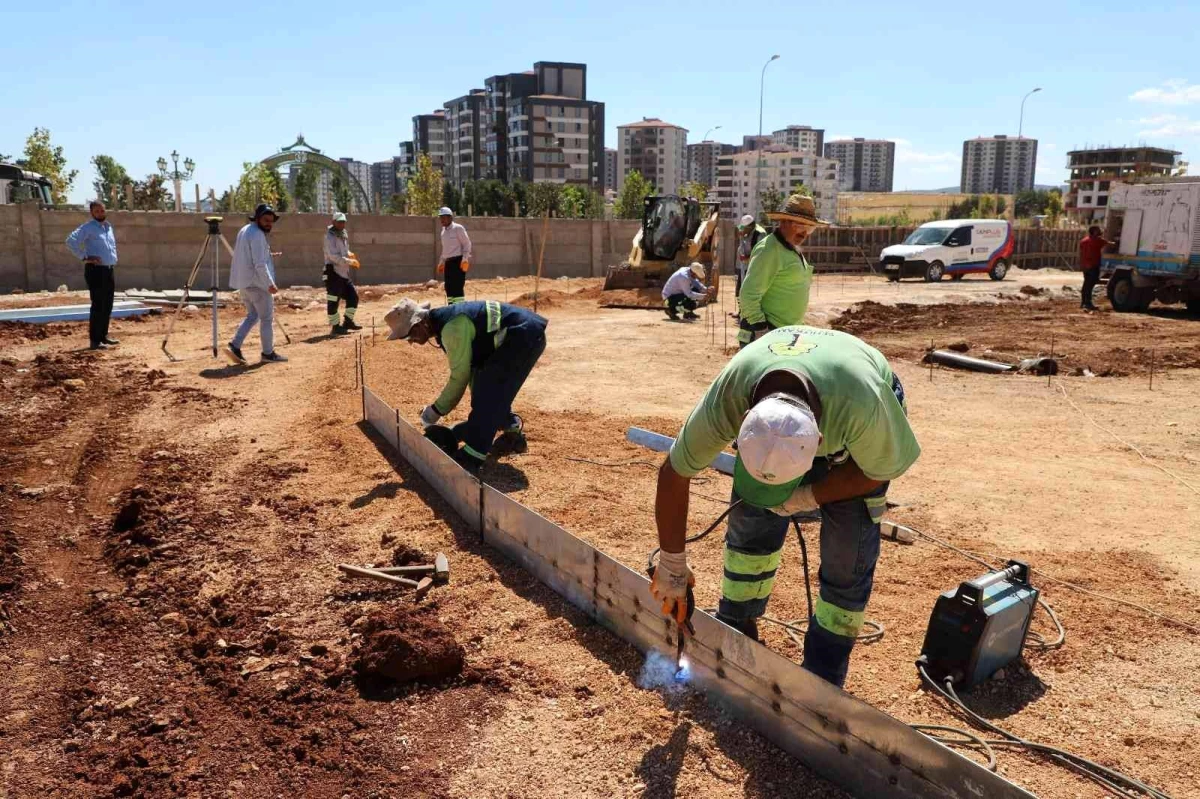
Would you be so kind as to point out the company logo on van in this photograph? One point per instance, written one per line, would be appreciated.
(988, 231)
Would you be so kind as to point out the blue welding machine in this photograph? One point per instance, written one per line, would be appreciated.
(980, 627)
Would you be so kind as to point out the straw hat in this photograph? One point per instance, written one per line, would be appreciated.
(799, 208)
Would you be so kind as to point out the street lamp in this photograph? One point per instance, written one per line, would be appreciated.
(189, 166)
(758, 144)
(710, 130)
(1021, 124)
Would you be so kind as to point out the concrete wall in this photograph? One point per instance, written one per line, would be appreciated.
(157, 250)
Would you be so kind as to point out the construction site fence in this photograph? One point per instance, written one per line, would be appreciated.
(856, 250)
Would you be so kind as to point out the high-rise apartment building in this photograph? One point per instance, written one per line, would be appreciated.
(406, 164)
(656, 149)
(1094, 170)
(361, 171)
(386, 181)
(702, 160)
(465, 133)
(866, 164)
(801, 137)
(756, 142)
(998, 165)
(785, 171)
(610, 169)
(429, 136)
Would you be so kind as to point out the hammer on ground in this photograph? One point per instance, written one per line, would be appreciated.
(422, 586)
(439, 569)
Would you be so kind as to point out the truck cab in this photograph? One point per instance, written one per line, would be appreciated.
(953, 247)
(19, 185)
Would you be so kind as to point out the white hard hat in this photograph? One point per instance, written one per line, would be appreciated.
(778, 441)
(339, 217)
(746, 221)
(444, 211)
(403, 316)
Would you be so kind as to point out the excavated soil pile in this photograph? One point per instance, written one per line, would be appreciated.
(13, 333)
(404, 645)
(1009, 331)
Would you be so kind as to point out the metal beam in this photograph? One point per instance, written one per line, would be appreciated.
(69, 313)
(660, 443)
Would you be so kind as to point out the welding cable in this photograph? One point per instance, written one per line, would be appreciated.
(1120, 784)
(1037, 641)
(697, 536)
(968, 739)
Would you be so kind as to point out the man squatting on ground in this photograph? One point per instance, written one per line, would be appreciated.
(492, 347)
(95, 244)
(455, 260)
(821, 424)
(338, 284)
(775, 290)
(252, 275)
(683, 288)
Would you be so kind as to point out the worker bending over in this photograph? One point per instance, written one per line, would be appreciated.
(338, 284)
(683, 288)
(774, 292)
(492, 347)
(820, 422)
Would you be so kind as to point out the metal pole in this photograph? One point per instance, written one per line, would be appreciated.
(216, 278)
(758, 144)
(1021, 122)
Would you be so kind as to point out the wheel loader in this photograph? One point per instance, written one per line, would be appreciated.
(675, 232)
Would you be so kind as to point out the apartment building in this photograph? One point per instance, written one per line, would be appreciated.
(385, 180)
(866, 164)
(464, 138)
(406, 164)
(656, 149)
(756, 143)
(610, 169)
(782, 170)
(1093, 171)
(800, 137)
(998, 165)
(429, 136)
(702, 160)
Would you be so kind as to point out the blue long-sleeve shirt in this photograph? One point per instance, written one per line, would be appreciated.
(252, 265)
(94, 239)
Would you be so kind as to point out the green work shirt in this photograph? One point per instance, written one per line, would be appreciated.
(457, 336)
(859, 411)
(775, 289)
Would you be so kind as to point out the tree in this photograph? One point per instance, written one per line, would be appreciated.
(694, 188)
(986, 207)
(110, 175)
(541, 198)
(516, 197)
(49, 162)
(339, 187)
(257, 185)
(632, 199)
(424, 188)
(394, 205)
(772, 200)
(1054, 208)
(152, 194)
(308, 178)
(573, 202)
(225, 202)
(452, 198)
(594, 207)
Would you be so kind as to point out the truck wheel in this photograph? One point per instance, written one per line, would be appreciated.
(957, 276)
(893, 277)
(934, 272)
(1123, 296)
(998, 270)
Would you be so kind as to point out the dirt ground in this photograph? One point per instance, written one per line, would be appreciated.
(172, 621)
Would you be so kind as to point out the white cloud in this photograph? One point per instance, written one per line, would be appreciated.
(1172, 92)
(923, 162)
(1168, 125)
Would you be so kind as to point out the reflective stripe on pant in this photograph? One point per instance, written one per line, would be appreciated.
(455, 280)
(495, 385)
(260, 307)
(748, 334)
(676, 300)
(338, 288)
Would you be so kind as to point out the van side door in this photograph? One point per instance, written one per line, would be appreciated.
(960, 243)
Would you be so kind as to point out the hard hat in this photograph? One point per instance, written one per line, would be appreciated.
(339, 217)
(263, 209)
(776, 445)
(746, 221)
(403, 316)
(697, 269)
(444, 211)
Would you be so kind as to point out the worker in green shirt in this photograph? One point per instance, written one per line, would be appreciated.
(774, 292)
(820, 422)
(492, 347)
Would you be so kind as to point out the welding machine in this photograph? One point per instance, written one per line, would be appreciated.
(980, 627)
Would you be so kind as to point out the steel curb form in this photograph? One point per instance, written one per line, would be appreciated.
(845, 740)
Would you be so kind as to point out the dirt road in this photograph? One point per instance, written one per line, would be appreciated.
(173, 623)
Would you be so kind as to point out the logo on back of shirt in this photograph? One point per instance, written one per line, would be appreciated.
(797, 346)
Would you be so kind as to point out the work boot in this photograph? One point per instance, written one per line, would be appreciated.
(235, 354)
(747, 627)
(337, 330)
(690, 316)
(98, 345)
(672, 314)
(469, 462)
(273, 357)
(112, 342)
(350, 324)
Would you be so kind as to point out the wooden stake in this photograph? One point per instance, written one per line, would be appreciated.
(541, 253)
(931, 361)
(1049, 376)
(1152, 368)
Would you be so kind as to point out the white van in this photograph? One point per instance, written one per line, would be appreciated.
(954, 247)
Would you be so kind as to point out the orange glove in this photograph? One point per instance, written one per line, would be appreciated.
(441, 268)
(670, 584)
(466, 266)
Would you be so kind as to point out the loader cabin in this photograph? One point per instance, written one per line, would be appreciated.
(19, 185)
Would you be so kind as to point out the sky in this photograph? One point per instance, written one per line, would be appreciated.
(229, 84)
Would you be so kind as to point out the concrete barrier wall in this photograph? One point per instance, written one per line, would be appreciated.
(157, 250)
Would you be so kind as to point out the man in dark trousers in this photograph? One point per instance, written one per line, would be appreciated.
(95, 244)
(492, 347)
(455, 260)
(339, 285)
(1090, 249)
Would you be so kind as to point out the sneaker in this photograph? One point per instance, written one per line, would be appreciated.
(350, 324)
(515, 424)
(235, 354)
(97, 345)
(112, 342)
(273, 357)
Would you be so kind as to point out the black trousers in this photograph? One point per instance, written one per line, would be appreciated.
(676, 300)
(101, 288)
(1091, 279)
(339, 288)
(456, 280)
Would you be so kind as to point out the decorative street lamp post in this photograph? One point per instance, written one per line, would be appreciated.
(189, 166)
(1021, 122)
(758, 145)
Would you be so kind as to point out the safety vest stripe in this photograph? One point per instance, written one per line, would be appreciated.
(493, 315)
(745, 563)
(332, 298)
(877, 507)
(838, 621)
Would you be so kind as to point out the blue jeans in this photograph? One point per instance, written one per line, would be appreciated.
(260, 306)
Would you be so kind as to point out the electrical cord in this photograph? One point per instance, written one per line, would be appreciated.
(1120, 784)
(968, 739)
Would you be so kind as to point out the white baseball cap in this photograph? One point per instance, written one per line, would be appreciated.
(697, 269)
(746, 221)
(403, 316)
(776, 446)
(444, 211)
(339, 217)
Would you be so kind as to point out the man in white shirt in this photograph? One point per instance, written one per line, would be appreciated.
(456, 257)
(252, 275)
(684, 288)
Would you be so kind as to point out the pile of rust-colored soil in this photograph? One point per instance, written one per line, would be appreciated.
(404, 645)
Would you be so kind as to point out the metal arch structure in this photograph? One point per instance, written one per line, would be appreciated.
(301, 152)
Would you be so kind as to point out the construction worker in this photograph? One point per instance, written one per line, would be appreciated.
(820, 421)
(95, 244)
(683, 288)
(748, 233)
(252, 275)
(1091, 247)
(338, 283)
(492, 347)
(775, 290)
(455, 260)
